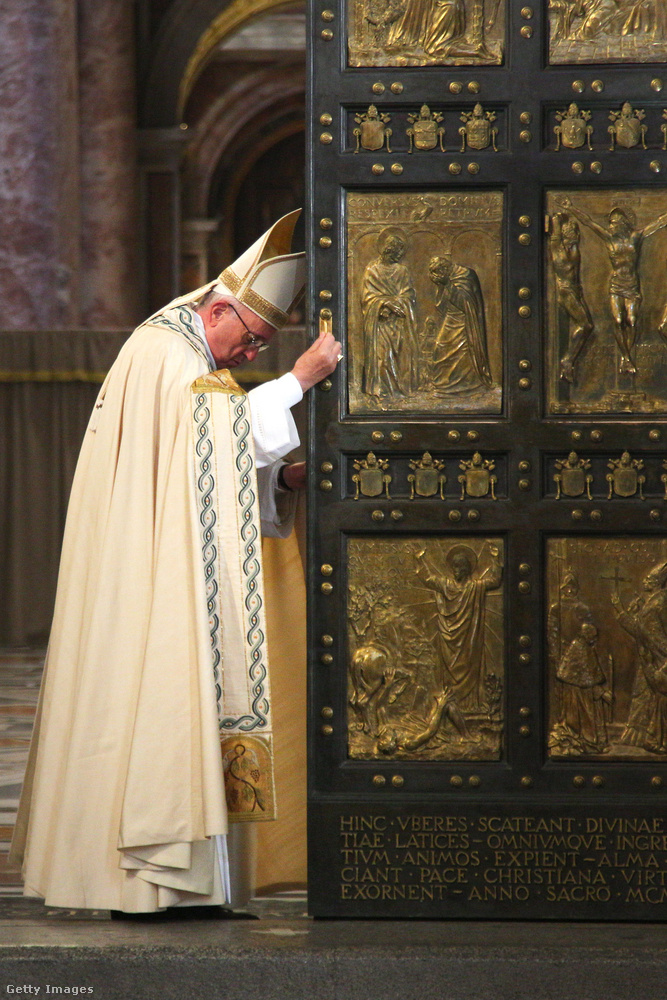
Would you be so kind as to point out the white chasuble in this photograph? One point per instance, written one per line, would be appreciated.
(157, 645)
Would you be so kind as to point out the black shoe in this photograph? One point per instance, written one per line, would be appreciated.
(183, 913)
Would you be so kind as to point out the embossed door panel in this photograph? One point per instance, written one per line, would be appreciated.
(487, 223)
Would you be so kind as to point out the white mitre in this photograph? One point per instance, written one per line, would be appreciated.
(267, 278)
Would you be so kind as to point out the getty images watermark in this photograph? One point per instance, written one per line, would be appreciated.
(73, 991)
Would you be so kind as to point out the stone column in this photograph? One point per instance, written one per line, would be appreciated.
(39, 165)
(195, 237)
(110, 224)
(160, 157)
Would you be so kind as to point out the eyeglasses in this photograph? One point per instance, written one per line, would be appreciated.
(250, 339)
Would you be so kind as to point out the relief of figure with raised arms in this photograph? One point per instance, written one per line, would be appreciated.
(566, 264)
(461, 602)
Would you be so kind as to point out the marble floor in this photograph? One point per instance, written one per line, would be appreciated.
(20, 676)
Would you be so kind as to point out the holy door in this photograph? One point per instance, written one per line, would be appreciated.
(488, 546)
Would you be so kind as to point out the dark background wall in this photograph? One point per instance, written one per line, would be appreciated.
(144, 144)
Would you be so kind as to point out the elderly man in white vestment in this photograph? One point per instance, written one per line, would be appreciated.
(155, 693)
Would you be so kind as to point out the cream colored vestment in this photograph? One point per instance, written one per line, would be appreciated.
(124, 789)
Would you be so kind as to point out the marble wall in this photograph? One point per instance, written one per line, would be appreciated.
(110, 223)
(68, 204)
(39, 176)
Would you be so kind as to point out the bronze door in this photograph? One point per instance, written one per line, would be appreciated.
(488, 558)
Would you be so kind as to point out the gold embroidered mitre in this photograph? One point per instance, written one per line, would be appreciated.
(267, 278)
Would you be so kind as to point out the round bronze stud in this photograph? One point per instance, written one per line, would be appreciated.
(473, 87)
(596, 436)
(525, 239)
(576, 435)
(397, 515)
(525, 641)
(525, 312)
(654, 514)
(397, 780)
(325, 242)
(379, 780)
(597, 86)
(377, 436)
(525, 118)
(455, 87)
(524, 383)
(396, 168)
(378, 515)
(327, 659)
(654, 434)
(596, 515)
(577, 514)
(327, 730)
(326, 119)
(326, 485)
(474, 781)
(377, 168)
(326, 588)
(395, 436)
(327, 15)
(526, 781)
(525, 365)
(597, 781)
(526, 31)
(326, 467)
(524, 731)
(326, 295)
(453, 435)
(378, 88)
(596, 167)
(326, 569)
(327, 34)
(454, 515)
(578, 167)
(473, 514)
(525, 292)
(326, 640)
(472, 435)
(578, 86)
(326, 712)
(655, 166)
(473, 168)
(578, 781)
(326, 138)
(524, 712)
(455, 168)
(396, 88)
(525, 659)
(524, 587)
(656, 84)
(456, 781)
(656, 781)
